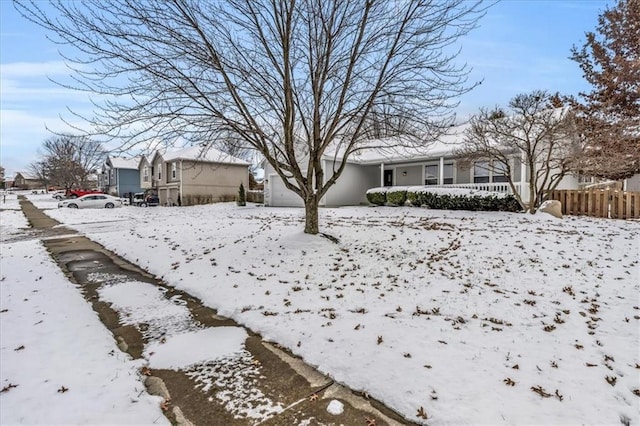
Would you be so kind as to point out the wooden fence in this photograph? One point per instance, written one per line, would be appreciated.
(599, 203)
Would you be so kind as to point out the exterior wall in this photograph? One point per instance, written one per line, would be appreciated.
(633, 183)
(351, 187)
(145, 184)
(217, 182)
(570, 181)
(25, 183)
(128, 181)
(409, 175)
(515, 170)
(462, 174)
(158, 170)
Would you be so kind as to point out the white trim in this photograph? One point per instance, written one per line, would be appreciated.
(181, 194)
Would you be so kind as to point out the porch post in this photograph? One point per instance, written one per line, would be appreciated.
(523, 177)
(441, 172)
(381, 175)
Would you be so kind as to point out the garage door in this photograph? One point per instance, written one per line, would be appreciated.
(280, 195)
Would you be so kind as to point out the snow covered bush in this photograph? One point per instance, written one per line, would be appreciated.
(396, 196)
(377, 196)
(464, 199)
(444, 198)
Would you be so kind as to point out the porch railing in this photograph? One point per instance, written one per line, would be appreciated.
(491, 187)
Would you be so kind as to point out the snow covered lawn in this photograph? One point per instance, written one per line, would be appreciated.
(460, 317)
(59, 365)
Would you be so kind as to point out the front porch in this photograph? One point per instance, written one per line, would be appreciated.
(446, 172)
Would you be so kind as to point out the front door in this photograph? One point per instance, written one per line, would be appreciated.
(388, 178)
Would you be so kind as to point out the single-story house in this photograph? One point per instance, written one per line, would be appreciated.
(434, 165)
(193, 175)
(120, 176)
(25, 180)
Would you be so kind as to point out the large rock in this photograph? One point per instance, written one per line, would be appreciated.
(552, 207)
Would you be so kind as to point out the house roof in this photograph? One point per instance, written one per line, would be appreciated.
(202, 154)
(391, 150)
(124, 163)
(27, 175)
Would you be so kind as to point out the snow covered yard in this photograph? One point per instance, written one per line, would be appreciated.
(59, 365)
(447, 317)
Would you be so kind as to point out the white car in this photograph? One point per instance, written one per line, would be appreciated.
(92, 201)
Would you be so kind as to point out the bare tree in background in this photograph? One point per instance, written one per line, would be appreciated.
(291, 79)
(68, 160)
(609, 115)
(39, 170)
(535, 131)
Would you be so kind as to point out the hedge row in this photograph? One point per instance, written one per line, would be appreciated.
(466, 200)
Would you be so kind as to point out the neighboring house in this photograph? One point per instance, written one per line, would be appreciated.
(193, 175)
(26, 181)
(146, 173)
(121, 176)
(631, 184)
(434, 165)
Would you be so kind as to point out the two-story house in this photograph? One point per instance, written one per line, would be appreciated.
(121, 176)
(193, 175)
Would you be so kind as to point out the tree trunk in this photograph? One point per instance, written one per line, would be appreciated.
(311, 215)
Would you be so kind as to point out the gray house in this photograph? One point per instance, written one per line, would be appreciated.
(121, 176)
(434, 165)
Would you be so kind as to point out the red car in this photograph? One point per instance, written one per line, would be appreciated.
(75, 193)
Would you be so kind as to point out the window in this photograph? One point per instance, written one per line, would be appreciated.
(448, 174)
(159, 173)
(499, 172)
(145, 174)
(431, 174)
(585, 179)
(173, 170)
(481, 172)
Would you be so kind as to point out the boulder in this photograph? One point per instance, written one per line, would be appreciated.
(552, 207)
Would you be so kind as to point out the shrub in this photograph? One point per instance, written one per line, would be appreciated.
(451, 199)
(377, 196)
(242, 200)
(396, 196)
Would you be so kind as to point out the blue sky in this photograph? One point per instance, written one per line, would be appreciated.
(520, 46)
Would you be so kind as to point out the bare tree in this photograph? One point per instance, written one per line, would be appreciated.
(292, 79)
(2, 185)
(536, 132)
(39, 171)
(68, 160)
(610, 114)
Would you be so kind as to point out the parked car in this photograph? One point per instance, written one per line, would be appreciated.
(58, 195)
(142, 199)
(95, 201)
(75, 193)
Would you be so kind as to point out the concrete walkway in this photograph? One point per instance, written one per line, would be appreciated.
(266, 385)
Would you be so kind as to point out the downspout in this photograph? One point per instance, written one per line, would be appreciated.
(180, 194)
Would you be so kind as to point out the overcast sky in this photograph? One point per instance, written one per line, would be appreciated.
(520, 46)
